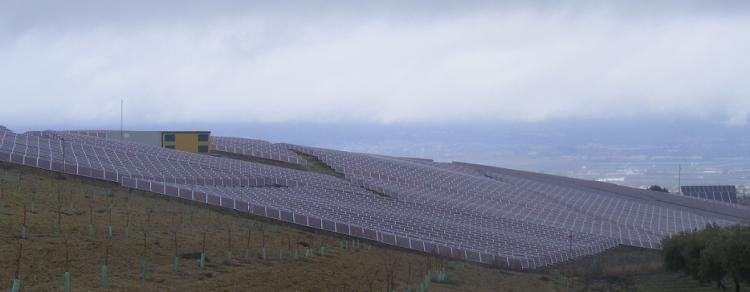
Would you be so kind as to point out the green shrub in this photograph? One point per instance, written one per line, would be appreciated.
(710, 255)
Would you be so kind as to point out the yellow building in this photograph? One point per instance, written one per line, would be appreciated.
(190, 141)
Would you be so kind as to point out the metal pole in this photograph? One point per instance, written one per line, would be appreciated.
(679, 179)
(570, 244)
(63, 153)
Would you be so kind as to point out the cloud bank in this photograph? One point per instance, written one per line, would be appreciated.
(385, 63)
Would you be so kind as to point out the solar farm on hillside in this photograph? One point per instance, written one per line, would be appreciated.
(506, 218)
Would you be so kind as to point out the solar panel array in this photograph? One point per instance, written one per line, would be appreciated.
(255, 148)
(507, 218)
(726, 194)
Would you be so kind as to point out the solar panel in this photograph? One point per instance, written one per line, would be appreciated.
(722, 193)
(256, 148)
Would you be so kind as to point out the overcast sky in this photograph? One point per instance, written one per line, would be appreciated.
(388, 63)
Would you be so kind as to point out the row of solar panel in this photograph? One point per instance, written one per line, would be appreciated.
(256, 148)
(725, 193)
(372, 171)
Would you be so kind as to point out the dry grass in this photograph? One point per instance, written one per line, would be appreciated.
(171, 226)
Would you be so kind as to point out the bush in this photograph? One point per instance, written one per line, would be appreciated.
(710, 255)
(658, 188)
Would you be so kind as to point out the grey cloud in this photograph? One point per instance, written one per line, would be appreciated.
(387, 62)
